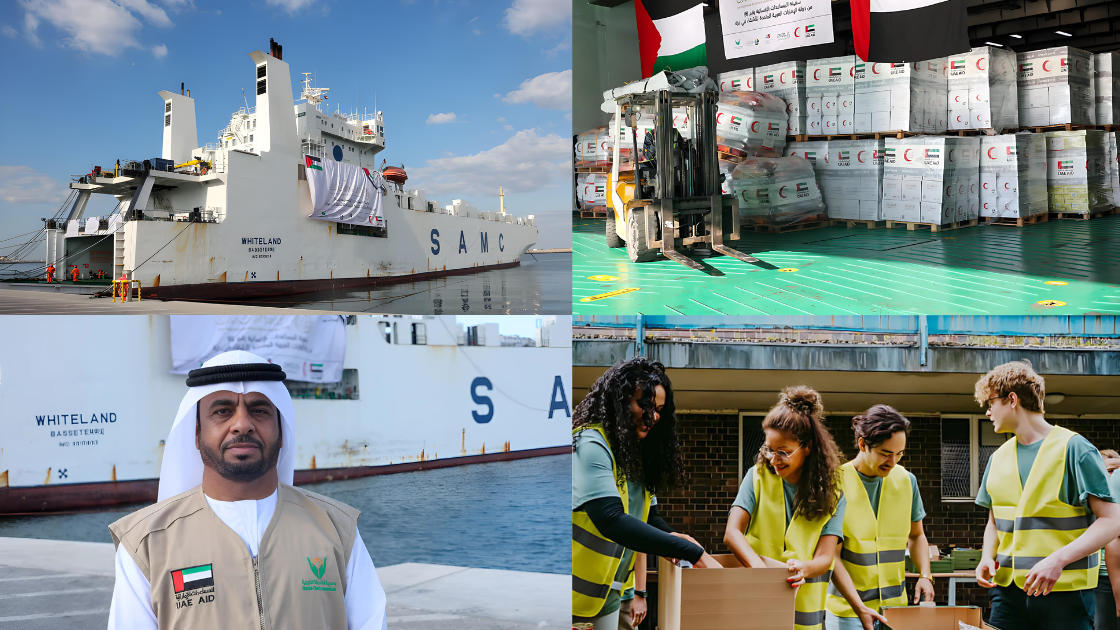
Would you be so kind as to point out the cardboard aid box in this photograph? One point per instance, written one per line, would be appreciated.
(733, 598)
(933, 618)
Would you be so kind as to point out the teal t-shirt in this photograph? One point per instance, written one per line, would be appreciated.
(593, 478)
(746, 499)
(874, 486)
(1084, 474)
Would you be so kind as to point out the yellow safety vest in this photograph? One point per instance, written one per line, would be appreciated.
(769, 536)
(1030, 520)
(874, 551)
(596, 558)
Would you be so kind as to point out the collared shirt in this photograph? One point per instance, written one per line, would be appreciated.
(131, 607)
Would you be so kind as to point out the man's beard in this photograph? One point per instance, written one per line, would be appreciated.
(241, 472)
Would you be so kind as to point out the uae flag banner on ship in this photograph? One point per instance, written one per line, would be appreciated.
(670, 35)
(888, 31)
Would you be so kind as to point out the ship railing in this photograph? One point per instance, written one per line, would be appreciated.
(246, 111)
(370, 138)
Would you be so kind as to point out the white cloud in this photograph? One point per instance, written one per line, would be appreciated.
(526, 162)
(23, 184)
(472, 20)
(160, 51)
(441, 119)
(555, 50)
(551, 90)
(9, 31)
(291, 6)
(501, 119)
(525, 17)
(153, 14)
(507, 127)
(477, 32)
(93, 26)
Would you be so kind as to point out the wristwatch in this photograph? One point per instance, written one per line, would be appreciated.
(928, 577)
(642, 594)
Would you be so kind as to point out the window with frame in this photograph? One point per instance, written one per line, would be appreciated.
(967, 442)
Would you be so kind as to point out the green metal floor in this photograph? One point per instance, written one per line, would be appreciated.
(1055, 268)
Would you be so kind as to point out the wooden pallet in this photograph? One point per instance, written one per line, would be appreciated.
(1061, 127)
(973, 132)
(1021, 221)
(730, 157)
(1083, 216)
(851, 223)
(789, 227)
(878, 135)
(933, 227)
(592, 214)
(594, 169)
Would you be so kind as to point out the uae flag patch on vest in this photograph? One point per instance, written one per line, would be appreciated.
(888, 31)
(670, 35)
(193, 577)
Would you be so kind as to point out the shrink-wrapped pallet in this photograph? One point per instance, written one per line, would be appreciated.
(1076, 172)
(932, 180)
(1012, 175)
(830, 92)
(1055, 87)
(776, 191)
(982, 88)
(1106, 74)
(750, 124)
(787, 82)
(851, 178)
(593, 148)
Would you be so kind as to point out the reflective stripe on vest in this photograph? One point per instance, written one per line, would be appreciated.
(1031, 522)
(596, 558)
(874, 548)
(769, 536)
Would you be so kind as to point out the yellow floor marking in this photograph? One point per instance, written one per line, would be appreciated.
(602, 278)
(1051, 303)
(1056, 282)
(788, 269)
(603, 296)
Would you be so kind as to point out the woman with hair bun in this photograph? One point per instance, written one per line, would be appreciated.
(626, 451)
(789, 511)
(883, 519)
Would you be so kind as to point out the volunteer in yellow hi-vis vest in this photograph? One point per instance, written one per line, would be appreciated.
(626, 449)
(789, 511)
(1049, 510)
(883, 518)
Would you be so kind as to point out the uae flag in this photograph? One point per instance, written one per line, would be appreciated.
(909, 30)
(192, 578)
(670, 35)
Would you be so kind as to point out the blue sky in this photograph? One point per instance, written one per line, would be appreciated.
(84, 77)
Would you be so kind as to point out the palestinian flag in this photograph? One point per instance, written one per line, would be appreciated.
(192, 578)
(313, 162)
(909, 30)
(670, 35)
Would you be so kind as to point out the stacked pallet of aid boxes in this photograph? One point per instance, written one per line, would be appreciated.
(931, 180)
(1106, 74)
(1113, 167)
(787, 82)
(849, 174)
(736, 81)
(1076, 174)
(873, 96)
(830, 94)
(1055, 87)
(982, 90)
(1012, 175)
(902, 96)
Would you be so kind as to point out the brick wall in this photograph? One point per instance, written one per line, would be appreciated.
(711, 445)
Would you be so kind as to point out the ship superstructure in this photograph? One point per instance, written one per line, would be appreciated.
(234, 218)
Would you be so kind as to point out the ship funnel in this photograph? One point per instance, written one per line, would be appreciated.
(274, 49)
(181, 86)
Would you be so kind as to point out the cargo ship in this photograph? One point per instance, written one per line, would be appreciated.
(85, 406)
(289, 200)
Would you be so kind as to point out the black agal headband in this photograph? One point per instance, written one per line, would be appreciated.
(235, 373)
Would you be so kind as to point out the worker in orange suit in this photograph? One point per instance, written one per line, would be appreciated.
(50, 273)
(125, 286)
(74, 273)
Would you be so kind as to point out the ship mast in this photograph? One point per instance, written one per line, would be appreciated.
(313, 95)
(502, 197)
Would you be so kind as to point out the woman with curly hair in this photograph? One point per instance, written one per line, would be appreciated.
(626, 451)
(790, 511)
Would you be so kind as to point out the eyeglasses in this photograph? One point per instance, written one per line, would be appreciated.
(782, 455)
(988, 402)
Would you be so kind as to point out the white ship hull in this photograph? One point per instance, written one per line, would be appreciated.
(84, 411)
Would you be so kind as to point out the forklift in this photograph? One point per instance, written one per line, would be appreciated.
(672, 202)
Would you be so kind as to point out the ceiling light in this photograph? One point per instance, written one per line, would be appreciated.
(994, 44)
(1054, 399)
(1063, 33)
(1017, 36)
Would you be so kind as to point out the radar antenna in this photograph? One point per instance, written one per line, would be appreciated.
(313, 95)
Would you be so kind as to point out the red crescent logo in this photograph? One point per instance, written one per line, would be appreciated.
(905, 155)
(1077, 65)
(873, 68)
(815, 73)
(795, 32)
(852, 72)
(721, 88)
(780, 193)
(951, 154)
(958, 118)
(978, 66)
(1007, 185)
(753, 123)
(749, 79)
(948, 190)
(985, 185)
(1044, 68)
(782, 77)
(990, 156)
(859, 156)
(718, 114)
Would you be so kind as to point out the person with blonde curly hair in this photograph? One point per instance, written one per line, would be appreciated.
(1050, 510)
(789, 512)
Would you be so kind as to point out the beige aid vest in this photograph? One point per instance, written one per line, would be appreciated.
(874, 548)
(1031, 521)
(203, 577)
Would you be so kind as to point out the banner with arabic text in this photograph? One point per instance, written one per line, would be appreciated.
(756, 27)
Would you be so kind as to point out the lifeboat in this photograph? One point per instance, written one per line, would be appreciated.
(394, 174)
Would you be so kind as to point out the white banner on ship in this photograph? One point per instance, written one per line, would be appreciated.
(309, 347)
(756, 27)
(344, 193)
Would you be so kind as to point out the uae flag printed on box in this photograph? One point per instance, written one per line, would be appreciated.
(193, 577)
(909, 30)
(670, 35)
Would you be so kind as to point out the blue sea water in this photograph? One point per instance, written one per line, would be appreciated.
(502, 515)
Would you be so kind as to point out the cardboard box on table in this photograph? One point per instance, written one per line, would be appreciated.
(733, 598)
(787, 82)
(1056, 87)
(934, 618)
